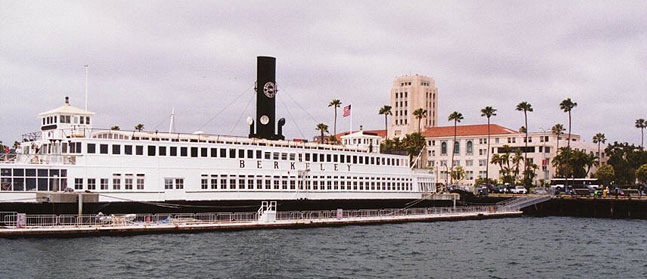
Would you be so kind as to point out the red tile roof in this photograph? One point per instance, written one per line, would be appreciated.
(467, 130)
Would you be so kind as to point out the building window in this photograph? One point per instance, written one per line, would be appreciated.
(470, 147)
(457, 147)
(443, 148)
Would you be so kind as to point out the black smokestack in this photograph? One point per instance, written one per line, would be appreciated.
(265, 101)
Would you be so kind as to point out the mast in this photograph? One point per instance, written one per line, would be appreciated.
(86, 87)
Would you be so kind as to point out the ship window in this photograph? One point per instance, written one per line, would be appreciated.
(116, 182)
(168, 183)
(241, 153)
(139, 150)
(204, 182)
(30, 172)
(162, 150)
(151, 150)
(92, 148)
(277, 181)
(214, 152)
(204, 152)
(87, 120)
(223, 181)
(223, 153)
(232, 153)
(259, 154)
(328, 157)
(116, 149)
(42, 173)
(292, 156)
(232, 182)
(82, 120)
(92, 184)
(214, 183)
(335, 158)
(104, 184)
(268, 182)
(128, 149)
(78, 183)
(128, 184)
(183, 151)
(315, 157)
(284, 156)
(241, 182)
(194, 152)
(140, 181)
(259, 182)
(103, 148)
(275, 155)
(16, 172)
(284, 182)
(250, 182)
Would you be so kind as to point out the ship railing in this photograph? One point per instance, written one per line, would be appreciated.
(43, 159)
(18, 220)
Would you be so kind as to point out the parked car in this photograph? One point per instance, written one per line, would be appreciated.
(519, 190)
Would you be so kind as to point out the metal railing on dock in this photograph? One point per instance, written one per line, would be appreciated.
(18, 220)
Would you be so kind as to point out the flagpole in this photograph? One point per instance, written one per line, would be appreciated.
(351, 119)
(86, 87)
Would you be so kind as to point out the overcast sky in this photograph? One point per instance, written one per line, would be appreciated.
(147, 57)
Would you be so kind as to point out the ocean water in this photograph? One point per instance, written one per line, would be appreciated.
(526, 247)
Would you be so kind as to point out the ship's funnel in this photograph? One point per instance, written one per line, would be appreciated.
(265, 99)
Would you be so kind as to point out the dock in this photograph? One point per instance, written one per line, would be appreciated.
(17, 225)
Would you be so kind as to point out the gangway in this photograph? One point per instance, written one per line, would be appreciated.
(521, 202)
(267, 212)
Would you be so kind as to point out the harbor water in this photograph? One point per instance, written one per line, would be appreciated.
(526, 247)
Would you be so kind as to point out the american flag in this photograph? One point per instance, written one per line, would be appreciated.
(346, 111)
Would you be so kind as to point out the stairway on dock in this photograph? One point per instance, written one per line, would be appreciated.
(518, 203)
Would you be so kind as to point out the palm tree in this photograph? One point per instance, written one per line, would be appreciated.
(599, 138)
(139, 127)
(488, 112)
(323, 128)
(456, 117)
(116, 128)
(335, 104)
(641, 124)
(558, 130)
(567, 105)
(525, 107)
(386, 111)
(420, 114)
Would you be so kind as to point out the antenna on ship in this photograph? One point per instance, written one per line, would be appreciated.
(170, 126)
(86, 87)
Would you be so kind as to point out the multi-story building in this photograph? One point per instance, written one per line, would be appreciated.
(411, 92)
(470, 151)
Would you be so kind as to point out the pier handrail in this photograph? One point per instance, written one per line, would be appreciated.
(11, 219)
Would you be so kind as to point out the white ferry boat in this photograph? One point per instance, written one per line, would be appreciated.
(114, 171)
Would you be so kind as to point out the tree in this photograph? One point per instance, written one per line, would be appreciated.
(558, 130)
(413, 144)
(458, 173)
(599, 138)
(335, 104)
(525, 107)
(641, 124)
(641, 174)
(386, 111)
(567, 105)
(139, 127)
(605, 174)
(625, 160)
(488, 112)
(420, 114)
(323, 128)
(116, 128)
(456, 117)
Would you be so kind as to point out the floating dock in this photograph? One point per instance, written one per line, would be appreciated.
(16, 225)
